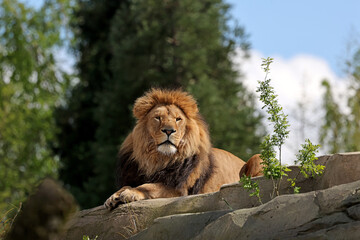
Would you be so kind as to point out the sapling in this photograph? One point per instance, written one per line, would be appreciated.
(272, 167)
(305, 160)
(250, 185)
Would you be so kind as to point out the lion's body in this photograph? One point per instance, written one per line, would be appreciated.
(227, 168)
(169, 152)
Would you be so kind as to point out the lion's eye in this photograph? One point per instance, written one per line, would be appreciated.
(157, 118)
(178, 119)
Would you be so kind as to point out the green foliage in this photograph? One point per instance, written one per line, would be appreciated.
(306, 158)
(31, 85)
(272, 166)
(125, 48)
(252, 186)
(293, 185)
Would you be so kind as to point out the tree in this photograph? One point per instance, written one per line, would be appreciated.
(31, 85)
(144, 44)
(192, 48)
(77, 119)
(341, 131)
(353, 119)
(331, 133)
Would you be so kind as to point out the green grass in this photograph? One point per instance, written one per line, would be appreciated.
(85, 237)
(7, 219)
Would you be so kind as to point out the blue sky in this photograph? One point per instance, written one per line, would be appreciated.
(289, 28)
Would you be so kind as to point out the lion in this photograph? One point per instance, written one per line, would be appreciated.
(169, 153)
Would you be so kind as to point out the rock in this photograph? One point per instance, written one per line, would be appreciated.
(44, 213)
(181, 226)
(354, 212)
(300, 216)
(321, 209)
(349, 231)
(340, 168)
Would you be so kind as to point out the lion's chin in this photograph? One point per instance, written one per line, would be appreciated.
(167, 149)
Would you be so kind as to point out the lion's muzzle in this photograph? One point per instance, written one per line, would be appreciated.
(167, 147)
(167, 142)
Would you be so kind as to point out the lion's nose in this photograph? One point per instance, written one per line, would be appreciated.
(168, 131)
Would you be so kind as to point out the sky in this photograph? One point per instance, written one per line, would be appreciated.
(289, 28)
(309, 41)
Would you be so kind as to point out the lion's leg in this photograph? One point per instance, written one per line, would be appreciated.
(145, 191)
(253, 167)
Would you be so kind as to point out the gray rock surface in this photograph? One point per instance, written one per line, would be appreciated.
(328, 207)
(310, 215)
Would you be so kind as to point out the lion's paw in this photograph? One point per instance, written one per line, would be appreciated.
(124, 195)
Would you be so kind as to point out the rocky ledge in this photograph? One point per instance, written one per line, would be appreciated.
(327, 208)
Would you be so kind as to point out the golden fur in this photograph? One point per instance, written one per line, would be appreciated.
(169, 152)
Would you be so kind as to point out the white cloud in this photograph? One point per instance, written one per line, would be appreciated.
(295, 80)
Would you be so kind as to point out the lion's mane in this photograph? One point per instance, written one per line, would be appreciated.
(139, 161)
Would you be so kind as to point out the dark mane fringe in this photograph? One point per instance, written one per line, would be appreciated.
(204, 177)
(127, 171)
(174, 175)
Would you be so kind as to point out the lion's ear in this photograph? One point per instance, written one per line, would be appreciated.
(142, 106)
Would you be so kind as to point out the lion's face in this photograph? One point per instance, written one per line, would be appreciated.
(169, 129)
(167, 126)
